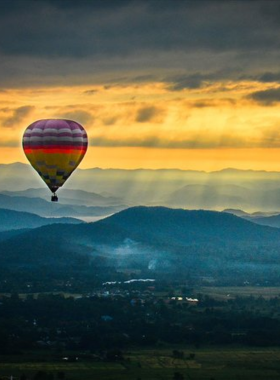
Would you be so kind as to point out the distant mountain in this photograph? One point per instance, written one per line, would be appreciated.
(68, 196)
(208, 197)
(229, 188)
(18, 176)
(271, 198)
(272, 221)
(262, 218)
(44, 208)
(11, 220)
(237, 212)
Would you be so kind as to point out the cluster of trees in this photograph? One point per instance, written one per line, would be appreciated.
(193, 266)
(94, 324)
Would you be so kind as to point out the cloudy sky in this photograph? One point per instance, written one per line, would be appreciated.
(156, 83)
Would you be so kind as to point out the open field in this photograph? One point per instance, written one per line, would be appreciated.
(217, 363)
(228, 292)
(220, 292)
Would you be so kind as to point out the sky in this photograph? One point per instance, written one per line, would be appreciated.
(182, 84)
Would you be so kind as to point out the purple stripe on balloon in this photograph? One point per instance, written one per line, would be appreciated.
(73, 124)
(56, 124)
(56, 141)
(57, 135)
(37, 124)
(51, 144)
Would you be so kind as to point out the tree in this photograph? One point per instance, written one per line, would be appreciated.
(114, 355)
(178, 354)
(178, 376)
(41, 375)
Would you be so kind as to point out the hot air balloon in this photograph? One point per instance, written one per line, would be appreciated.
(55, 147)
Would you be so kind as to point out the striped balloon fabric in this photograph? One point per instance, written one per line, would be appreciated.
(55, 148)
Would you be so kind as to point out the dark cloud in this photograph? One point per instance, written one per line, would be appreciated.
(200, 141)
(265, 77)
(181, 82)
(266, 97)
(143, 78)
(199, 79)
(90, 92)
(52, 107)
(110, 120)
(69, 40)
(129, 142)
(80, 116)
(18, 115)
(91, 28)
(146, 114)
(269, 77)
(202, 104)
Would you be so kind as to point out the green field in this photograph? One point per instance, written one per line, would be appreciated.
(216, 363)
(229, 292)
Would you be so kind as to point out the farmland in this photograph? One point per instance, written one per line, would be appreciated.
(230, 292)
(137, 331)
(150, 364)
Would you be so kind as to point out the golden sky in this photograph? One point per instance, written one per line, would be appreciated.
(148, 125)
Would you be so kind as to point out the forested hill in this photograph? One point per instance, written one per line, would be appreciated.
(13, 220)
(152, 226)
(152, 240)
(188, 226)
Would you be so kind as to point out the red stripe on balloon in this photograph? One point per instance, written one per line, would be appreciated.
(55, 150)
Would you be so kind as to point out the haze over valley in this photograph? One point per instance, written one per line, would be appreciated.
(222, 225)
(99, 192)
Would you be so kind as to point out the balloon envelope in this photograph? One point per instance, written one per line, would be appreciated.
(54, 148)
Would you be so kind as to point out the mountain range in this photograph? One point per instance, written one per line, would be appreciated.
(42, 207)
(68, 196)
(14, 220)
(262, 218)
(248, 190)
(152, 239)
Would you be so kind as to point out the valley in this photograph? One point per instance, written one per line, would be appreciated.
(143, 292)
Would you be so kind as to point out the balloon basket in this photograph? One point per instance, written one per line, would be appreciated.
(54, 198)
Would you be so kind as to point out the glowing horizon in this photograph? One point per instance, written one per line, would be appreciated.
(192, 132)
(201, 164)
